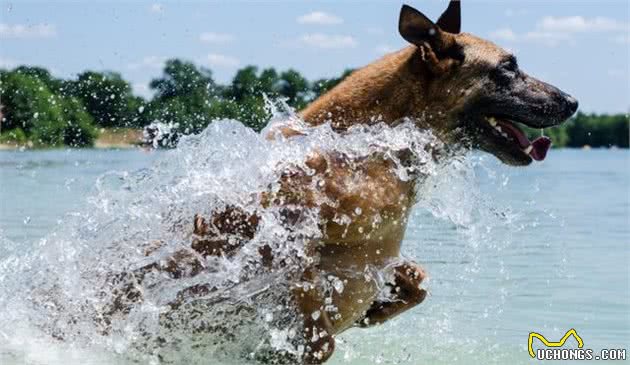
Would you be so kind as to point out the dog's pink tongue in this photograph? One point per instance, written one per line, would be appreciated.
(540, 146)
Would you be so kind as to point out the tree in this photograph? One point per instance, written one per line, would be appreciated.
(295, 88)
(55, 85)
(598, 130)
(244, 98)
(621, 130)
(108, 98)
(249, 83)
(30, 106)
(185, 95)
(79, 130)
(244, 84)
(33, 112)
(182, 78)
(269, 81)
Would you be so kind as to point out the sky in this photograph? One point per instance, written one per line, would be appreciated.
(580, 46)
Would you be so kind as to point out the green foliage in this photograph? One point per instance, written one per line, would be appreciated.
(250, 110)
(598, 130)
(15, 136)
(558, 135)
(107, 97)
(247, 83)
(29, 104)
(55, 85)
(182, 78)
(268, 82)
(32, 112)
(189, 97)
(244, 100)
(184, 96)
(79, 130)
(191, 115)
(295, 88)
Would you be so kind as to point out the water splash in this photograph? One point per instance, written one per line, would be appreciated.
(59, 292)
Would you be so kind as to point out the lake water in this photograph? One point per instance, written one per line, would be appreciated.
(508, 250)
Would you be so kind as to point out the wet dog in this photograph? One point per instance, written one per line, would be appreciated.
(466, 90)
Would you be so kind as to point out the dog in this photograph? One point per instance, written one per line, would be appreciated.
(466, 90)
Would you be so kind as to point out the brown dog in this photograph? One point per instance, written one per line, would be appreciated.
(467, 90)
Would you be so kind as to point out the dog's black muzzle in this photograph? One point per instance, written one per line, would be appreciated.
(527, 100)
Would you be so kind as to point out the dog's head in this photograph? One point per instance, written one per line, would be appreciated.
(476, 92)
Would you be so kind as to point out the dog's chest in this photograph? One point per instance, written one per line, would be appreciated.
(368, 203)
(363, 229)
(358, 266)
(363, 207)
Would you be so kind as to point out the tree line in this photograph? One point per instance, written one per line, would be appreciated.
(48, 111)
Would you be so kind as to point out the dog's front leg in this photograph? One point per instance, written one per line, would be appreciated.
(318, 329)
(406, 293)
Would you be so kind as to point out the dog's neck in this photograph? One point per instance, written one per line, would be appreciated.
(384, 91)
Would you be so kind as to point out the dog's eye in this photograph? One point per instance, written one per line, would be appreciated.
(509, 65)
(506, 72)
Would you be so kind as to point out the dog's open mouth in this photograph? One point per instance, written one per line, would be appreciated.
(510, 131)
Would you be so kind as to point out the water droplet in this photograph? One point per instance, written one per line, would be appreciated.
(338, 285)
(268, 317)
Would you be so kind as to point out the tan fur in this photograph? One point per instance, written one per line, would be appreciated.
(383, 91)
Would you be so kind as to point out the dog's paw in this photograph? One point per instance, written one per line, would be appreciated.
(406, 286)
(404, 293)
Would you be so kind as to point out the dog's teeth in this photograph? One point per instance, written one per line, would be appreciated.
(528, 149)
(498, 128)
(492, 121)
(504, 135)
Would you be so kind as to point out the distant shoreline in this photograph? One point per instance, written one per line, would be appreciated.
(108, 138)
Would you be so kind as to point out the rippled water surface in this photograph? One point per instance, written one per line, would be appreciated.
(508, 251)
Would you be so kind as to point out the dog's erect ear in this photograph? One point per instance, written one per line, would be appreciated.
(451, 20)
(417, 29)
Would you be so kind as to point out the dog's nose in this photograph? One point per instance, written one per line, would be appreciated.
(567, 105)
(572, 104)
